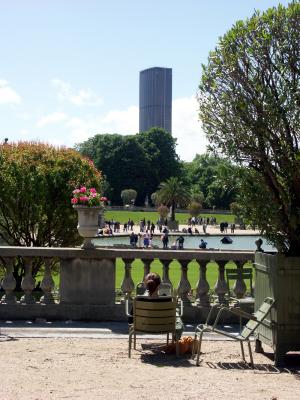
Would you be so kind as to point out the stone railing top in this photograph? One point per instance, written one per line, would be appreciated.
(112, 253)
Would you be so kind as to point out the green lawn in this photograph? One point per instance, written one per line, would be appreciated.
(136, 216)
(137, 273)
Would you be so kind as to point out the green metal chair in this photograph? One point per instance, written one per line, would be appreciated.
(255, 320)
(155, 316)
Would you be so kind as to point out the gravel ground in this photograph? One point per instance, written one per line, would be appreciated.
(68, 368)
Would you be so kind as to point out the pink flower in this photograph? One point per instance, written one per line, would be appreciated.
(93, 190)
(74, 200)
(82, 189)
(83, 198)
(103, 199)
(76, 191)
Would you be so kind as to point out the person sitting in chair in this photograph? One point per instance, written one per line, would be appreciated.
(152, 282)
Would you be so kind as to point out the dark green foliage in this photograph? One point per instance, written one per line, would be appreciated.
(139, 161)
(173, 193)
(128, 196)
(214, 177)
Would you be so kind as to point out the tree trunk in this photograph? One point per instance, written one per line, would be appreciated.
(173, 211)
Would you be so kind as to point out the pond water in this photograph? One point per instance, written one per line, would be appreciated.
(239, 242)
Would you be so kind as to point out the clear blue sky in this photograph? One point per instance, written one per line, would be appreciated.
(70, 68)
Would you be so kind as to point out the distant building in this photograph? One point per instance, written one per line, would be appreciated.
(156, 99)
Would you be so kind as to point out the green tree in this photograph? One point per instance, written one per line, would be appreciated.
(163, 212)
(214, 177)
(138, 161)
(194, 208)
(160, 149)
(123, 162)
(128, 196)
(173, 192)
(36, 183)
(250, 109)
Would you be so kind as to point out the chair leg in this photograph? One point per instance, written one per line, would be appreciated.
(129, 344)
(199, 348)
(134, 341)
(167, 338)
(242, 349)
(194, 345)
(250, 353)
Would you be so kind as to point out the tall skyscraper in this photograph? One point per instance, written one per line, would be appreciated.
(156, 98)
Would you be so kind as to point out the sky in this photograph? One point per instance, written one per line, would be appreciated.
(69, 69)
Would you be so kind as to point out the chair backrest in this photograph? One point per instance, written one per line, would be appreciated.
(140, 289)
(260, 315)
(165, 289)
(239, 273)
(154, 315)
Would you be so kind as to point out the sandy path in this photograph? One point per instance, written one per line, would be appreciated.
(99, 369)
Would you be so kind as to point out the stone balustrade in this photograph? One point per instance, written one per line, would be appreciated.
(87, 280)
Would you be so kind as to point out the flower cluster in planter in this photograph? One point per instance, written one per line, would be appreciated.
(87, 197)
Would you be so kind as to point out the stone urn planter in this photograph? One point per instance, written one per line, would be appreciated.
(88, 218)
(278, 277)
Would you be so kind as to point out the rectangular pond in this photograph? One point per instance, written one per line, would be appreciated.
(239, 242)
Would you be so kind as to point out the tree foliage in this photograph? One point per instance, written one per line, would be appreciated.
(173, 192)
(128, 196)
(213, 178)
(194, 208)
(36, 183)
(250, 108)
(163, 211)
(138, 161)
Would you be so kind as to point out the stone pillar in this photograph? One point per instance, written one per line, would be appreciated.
(184, 286)
(87, 281)
(165, 277)
(221, 287)
(28, 283)
(47, 284)
(9, 282)
(147, 266)
(127, 284)
(202, 290)
(239, 287)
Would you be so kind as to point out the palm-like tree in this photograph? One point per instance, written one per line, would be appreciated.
(173, 192)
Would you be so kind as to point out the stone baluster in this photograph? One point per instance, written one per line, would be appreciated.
(221, 287)
(202, 290)
(127, 284)
(9, 282)
(47, 284)
(239, 287)
(147, 266)
(165, 275)
(184, 286)
(28, 283)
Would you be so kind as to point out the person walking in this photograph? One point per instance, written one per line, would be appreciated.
(165, 240)
(180, 241)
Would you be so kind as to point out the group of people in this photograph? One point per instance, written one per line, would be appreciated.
(142, 239)
(193, 221)
(224, 227)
